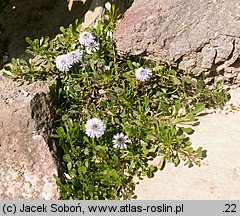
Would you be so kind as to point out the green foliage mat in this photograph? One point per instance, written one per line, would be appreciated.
(151, 117)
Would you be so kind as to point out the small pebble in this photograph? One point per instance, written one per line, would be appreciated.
(25, 94)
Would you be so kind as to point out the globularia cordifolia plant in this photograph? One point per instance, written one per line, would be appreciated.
(114, 114)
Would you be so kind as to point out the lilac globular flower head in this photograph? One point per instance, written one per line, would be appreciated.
(75, 56)
(120, 140)
(92, 46)
(95, 128)
(143, 74)
(63, 63)
(86, 37)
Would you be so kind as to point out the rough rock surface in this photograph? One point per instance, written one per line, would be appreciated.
(97, 10)
(201, 37)
(26, 163)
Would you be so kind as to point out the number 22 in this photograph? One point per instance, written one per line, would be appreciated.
(230, 207)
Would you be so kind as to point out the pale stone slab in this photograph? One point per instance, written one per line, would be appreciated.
(217, 178)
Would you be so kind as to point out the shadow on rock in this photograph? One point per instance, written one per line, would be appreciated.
(43, 109)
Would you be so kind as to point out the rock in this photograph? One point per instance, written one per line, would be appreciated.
(208, 56)
(96, 11)
(201, 37)
(219, 175)
(41, 18)
(26, 163)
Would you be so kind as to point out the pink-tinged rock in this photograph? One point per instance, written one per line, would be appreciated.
(26, 162)
(202, 37)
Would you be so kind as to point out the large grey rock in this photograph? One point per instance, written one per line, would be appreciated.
(26, 163)
(201, 37)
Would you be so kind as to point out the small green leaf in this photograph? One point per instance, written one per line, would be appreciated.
(59, 112)
(67, 158)
(58, 181)
(61, 132)
(70, 122)
(86, 151)
(176, 81)
(190, 117)
(7, 73)
(86, 139)
(199, 108)
(91, 188)
(55, 136)
(82, 169)
(103, 103)
(28, 40)
(188, 80)
(199, 152)
(105, 182)
(129, 63)
(99, 148)
(73, 173)
(69, 165)
(62, 29)
(165, 107)
(86, 163)
(188, 130)
(151, 168)
(164, 90)
(177, 106)
(176, 160)
(115, 158)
